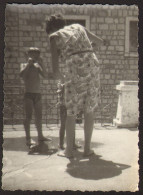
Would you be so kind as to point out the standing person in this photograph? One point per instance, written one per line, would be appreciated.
(73, 44)
(63, 116)
(30, 72)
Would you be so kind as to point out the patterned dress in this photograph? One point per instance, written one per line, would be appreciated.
(81, 72)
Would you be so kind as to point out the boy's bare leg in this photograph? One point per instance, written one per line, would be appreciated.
(28, 106)
(38, 118)
(88, 129)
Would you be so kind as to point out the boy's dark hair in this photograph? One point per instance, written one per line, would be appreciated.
(33, 50)
(55, 21)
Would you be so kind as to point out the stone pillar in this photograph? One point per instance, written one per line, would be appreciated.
(128, 104)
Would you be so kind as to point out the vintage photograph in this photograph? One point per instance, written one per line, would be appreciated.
(71, 103)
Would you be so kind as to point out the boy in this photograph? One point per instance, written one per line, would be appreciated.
(30, 72)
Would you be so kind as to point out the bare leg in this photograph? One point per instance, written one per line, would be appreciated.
(28, 106)
(88, 129)
(38, 117)
(70, 134)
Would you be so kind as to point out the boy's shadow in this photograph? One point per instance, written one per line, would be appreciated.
(42, 149)
(94, 168)
(18, 144)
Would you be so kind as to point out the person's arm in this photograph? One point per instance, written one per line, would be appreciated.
(42, 69)
(54, 54)
(55, 59)
(94, 39)
(24, 68)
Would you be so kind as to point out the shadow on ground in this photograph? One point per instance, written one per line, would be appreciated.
(94, 168)
(133, 129)
(18, 144)
(91, 168)
(42, 149)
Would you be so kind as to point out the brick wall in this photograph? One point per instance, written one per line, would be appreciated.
(25, 28)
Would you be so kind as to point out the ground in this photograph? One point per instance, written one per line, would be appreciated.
(113, 167)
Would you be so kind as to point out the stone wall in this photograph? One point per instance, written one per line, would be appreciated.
(25, 28)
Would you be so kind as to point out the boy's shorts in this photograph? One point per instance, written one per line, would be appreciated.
(35, 97)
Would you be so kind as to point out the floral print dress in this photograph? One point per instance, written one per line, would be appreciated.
(82, 81)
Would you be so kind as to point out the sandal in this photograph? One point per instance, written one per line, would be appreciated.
(30, 142)
(62, 154)
(61, 147)
(44, 139)
(91, 152)
(76, 146)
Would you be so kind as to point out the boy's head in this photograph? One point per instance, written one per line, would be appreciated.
(34, 53)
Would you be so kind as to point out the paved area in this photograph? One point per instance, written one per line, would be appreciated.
(113, 167)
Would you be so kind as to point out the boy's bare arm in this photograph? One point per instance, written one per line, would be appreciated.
(24, 68)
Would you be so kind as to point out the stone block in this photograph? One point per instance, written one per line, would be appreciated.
(113, 42)
(93, 20)
(107, 76)
(125, 13)
(104, 101)
(27, 44)
(120, 13)
(102, 13)
(113, 62)
(113, 77)
(106, 61)
(85, 10)
(112, 26)
(109, 52)
(111, 48)
(121, 33)
(120, 26)
(25, 38)
(111, 82)
(12, 44)
(109, 20)
(21, 43)
(11, 76)
(116, 20)
(112, 71)
(114, 13)
(121, 20)
(98, 32)
(8, 71)
(121, 42)
(103, 48)
(100, 20)
(94, 26)
(103, 26)
(119, 48)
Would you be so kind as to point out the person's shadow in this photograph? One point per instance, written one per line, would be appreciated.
(41, 149)
(18, 144)
(94, 168)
